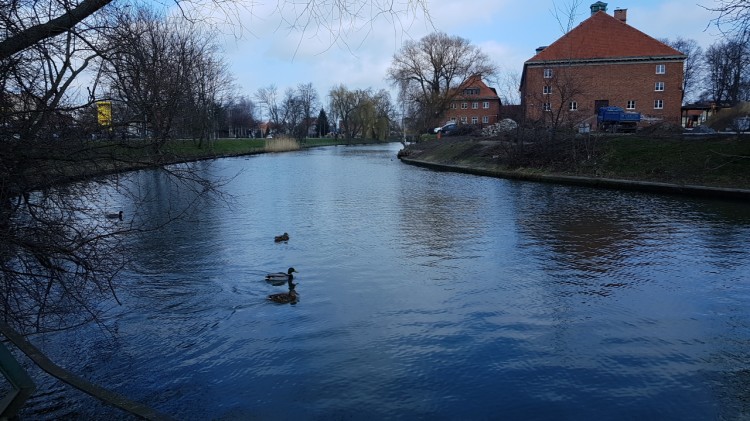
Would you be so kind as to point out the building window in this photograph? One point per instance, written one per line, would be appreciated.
(474, 120)
(661, 69)
(658, 104)
(547, 106)
(659, 86)
(464, 105)
(453, 119)
(463, 120)
(471, 91)
(547, 73)
(631, 105)
(486, 104)
(573, 106)
(547, 90)
(486, 119)
(474, 105)
(453, 105)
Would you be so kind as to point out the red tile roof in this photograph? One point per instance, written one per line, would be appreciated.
(604, 37)
(475, 81)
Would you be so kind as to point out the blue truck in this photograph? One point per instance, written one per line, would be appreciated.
(615, 119)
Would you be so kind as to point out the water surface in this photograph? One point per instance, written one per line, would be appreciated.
(423, 295)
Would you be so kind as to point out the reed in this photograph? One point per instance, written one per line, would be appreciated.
(281, 144)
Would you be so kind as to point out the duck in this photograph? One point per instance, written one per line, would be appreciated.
(282, 237)
(117, 215)
(281, 276)
(285, 297)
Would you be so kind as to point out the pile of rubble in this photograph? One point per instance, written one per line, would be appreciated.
(503, 126)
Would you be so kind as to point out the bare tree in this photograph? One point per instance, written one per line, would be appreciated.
(561, 110)
(693, 64)
(142, 48)
(428, 71)
(240, 117)
(292, 114)
(566, 14)
(727, 65)
(308, 97)
(45, 19)
(733, 16)
(59, 254)
(268, 98)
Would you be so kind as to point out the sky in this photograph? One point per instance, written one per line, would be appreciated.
(263, 46)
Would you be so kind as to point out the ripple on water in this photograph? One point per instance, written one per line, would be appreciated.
(427, 294)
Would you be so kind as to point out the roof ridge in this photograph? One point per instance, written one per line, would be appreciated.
(595, 36)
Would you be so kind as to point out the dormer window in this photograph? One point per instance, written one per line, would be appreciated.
(471, 91)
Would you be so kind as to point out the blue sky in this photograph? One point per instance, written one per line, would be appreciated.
(265, 51)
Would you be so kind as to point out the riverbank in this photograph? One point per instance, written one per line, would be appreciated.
(43, 164)
(714, 167)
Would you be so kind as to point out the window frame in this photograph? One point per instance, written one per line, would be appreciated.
(485, 119)
(486, 105)
(659, 87)
(547, 90)
(464, 105)
(661, 69)
(475, 105)
(547, 107)
(573, 106)
(630, 105)
(658, 104)
(548, 73)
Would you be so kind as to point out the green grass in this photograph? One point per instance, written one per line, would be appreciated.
(710, 161)
(219, 147)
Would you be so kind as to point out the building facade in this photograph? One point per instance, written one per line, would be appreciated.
(603, 62)
(474, 103)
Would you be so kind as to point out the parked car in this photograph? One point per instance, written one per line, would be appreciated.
(448, 129)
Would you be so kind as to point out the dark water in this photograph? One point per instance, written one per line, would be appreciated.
(423, 295)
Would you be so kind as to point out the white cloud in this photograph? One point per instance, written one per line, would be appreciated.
(276, 50)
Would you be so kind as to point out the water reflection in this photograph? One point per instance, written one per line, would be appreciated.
(429, 294)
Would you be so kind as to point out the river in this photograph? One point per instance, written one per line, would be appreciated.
(423, 295)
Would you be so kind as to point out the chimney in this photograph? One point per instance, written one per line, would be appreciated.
(598, 6)
(540, 49)
(621, 15)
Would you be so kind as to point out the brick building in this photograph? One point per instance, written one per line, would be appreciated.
(603, 62)
(474, 103)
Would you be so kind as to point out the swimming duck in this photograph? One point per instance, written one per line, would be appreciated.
(282, 237)
(117, 215)
(285, 297)
(281, 276)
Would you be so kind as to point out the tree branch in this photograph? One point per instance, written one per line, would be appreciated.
(57, 26)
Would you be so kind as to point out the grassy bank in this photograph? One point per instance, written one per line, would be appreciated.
(715, 162)
(188, 149)
(41, 164)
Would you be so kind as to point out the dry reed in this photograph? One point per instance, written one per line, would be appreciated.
(281, 144)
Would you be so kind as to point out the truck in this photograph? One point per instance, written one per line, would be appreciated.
(615, 119)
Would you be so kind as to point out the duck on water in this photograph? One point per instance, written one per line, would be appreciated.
(280, 238)
(281, 276)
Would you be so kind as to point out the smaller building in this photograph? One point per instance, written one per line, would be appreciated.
(474, 102)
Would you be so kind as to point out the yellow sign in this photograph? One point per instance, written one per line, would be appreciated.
(104, 113)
